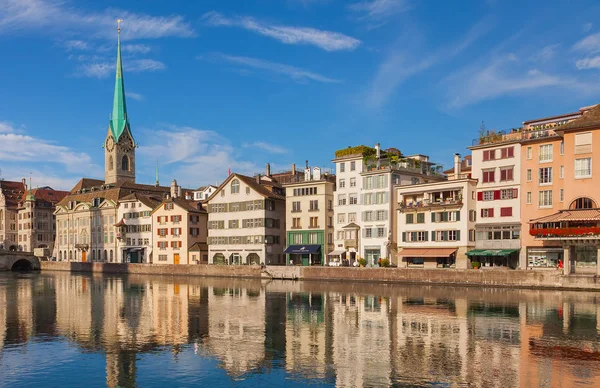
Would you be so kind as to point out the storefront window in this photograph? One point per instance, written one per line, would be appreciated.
(586, 256)
(540, 258)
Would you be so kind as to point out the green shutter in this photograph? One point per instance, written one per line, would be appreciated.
(458, 235)
(426, 236)
(458, 215)
(445, 217)
(403, 236)
(445, 237)
(432, 217)
(433, 235)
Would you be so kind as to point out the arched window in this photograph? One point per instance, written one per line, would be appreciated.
(111, 163)
(583, 203)
(253, 258)
(70, 255)
(111, 256)
(219, 259)
(93, 255)
(104, 256)
(60, 255)
(125, 163)
(235, 186)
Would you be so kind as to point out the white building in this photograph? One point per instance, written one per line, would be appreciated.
(436, 221)
(497, 167)
(135, 228)
(204, 192)
(363, 202)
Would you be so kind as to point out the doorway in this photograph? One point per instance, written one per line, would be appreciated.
(176, 258)
(83, 256)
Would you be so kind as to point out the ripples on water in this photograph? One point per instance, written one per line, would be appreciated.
(79, 330)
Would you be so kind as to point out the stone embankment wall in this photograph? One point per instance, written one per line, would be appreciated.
(8, 260)
(455, 277)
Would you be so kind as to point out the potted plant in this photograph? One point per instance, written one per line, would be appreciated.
(362, 262)
(385, 263)
(475, 264)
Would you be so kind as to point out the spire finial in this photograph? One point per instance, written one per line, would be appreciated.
(119, 26)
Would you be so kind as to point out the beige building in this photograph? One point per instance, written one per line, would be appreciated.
(178, 225)
(134, 231)
(309, 218)
(10, 195)
(246, 221)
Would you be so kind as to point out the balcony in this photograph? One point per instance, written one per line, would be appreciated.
(514, 134)
(353, 243)
(429, 204)
(576, 232)
(404, 164)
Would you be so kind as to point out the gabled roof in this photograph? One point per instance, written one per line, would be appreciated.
(590, 118)
(351, 225)
(150, 201)
(185, 204)
(252, 183)
(114, 192)
(13, 191)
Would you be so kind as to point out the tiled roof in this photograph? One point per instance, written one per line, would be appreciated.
(259, 188)
(589, 118)
(199, 247)
(187, 205)
(150, 201)
(114, 192)
(47, 195)
(570, 215)
(13, 191)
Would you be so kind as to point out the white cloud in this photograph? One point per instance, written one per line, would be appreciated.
(20, 149)
(545, 53)
(378, 12)
(194, 156)
(135, 48)
(135, 96)
(590, 44)
(295, 73)
(586, 27)
(326, 40)
(261, 145)
(104, 69)
(52, 16)
(71, 45)
(588, 63)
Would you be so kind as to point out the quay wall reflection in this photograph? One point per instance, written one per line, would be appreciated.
(341, 334)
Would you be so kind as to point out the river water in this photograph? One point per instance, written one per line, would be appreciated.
(63, 330)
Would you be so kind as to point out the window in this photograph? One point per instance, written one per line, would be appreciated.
(342, 183)
(341, 199)
(410, 218)
(381, 215)
(235, 186)
(545, 153)
(583, 203)
(562, 147)
(296, 207)
(487, 213)
(314, 221)
(506, 174)
(341, 218)
(368, 232)
(489, 155)
(380, 232)
(583, 143)
(545, 198)
(314, 205)
(508, 193)
(545, 175)
(296, 223)
(508, 152)
(352, 166)
(124, 167)
(471, 234)
(561, 195)
(562, 172)
(420, 218)
(353, 199)
(368, 216)
(506, 212)
(488, 195)
(488, 176)
(351, 217)
(313, 238)
(329, 204)
(342, 167)
(529, 153)
(528, 198)
(234, 224)
(352, 181)
(472, 215)
(528, 174)
(583, 168)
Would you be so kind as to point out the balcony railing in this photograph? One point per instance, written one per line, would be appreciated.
(565, 232)
(427, 203)
(514, 134)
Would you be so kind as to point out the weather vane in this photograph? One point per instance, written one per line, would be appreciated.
(119, 25)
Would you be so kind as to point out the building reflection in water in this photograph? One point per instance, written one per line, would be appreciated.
(336, 334)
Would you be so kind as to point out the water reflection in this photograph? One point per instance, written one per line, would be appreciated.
(137, 330)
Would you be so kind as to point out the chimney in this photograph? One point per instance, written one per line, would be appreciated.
(268, 170)
(377, 150)
(174, 189)
(457, 165)
(258, 178)
(293, 168)
(24, 181)
(306, 163)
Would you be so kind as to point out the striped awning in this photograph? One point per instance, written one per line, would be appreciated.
(491, 252)
(569, 215)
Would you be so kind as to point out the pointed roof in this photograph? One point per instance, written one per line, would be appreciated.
(118, 119)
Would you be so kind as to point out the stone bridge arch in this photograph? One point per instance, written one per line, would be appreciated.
(12, 261)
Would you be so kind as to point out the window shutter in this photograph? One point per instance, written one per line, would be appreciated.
(445, 217)
(180, 244)
(433, 235)
(496, 194)
(458, 235)
(458, 215)
(403, 236)
(385, 213)
(481, 213)
(480, 196)
(515, 193)
(445, 235)
(432, 217)
(158, 244)
(426, 236)
(491, 212)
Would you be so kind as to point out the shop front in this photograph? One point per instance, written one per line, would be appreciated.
(545, 258)
(427, 257)
(495, 258)
(133, 255)
(305, 255)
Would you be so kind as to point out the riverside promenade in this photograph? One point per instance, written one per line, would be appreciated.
(551, 279)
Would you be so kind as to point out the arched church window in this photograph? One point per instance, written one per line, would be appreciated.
(125, 163)
(235, 186)
(111, 163)
(583, 203)
(111, 256)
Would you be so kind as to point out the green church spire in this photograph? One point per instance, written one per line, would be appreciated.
(118, 119)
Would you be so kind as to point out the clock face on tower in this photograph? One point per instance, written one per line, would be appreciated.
(127, 144)
(110, 144)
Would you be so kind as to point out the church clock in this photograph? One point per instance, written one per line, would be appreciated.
(110, 144)
(127, 144)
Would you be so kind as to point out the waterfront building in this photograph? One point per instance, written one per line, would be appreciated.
(562, 201)
(246, 221)
(202, 193)
(436, 221)
(37, 227)
(309, 217)
(86, 217)
(10, 195)
(134, 232)
(179, 224)
(496, 164)
(363, 208)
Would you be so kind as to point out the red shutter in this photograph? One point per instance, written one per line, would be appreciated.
(158, 232)
(480, 196)
(180, 244)
(158, 244)
(481, 213)
(511, 152)
(496, 194)
(515, 193)
(491, 212)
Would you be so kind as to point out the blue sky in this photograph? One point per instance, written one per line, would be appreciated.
(218, 84)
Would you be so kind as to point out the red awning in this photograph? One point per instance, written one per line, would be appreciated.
(426, 252)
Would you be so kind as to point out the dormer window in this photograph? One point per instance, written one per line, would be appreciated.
(235, 186)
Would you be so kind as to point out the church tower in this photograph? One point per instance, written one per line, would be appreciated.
(119, 147)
